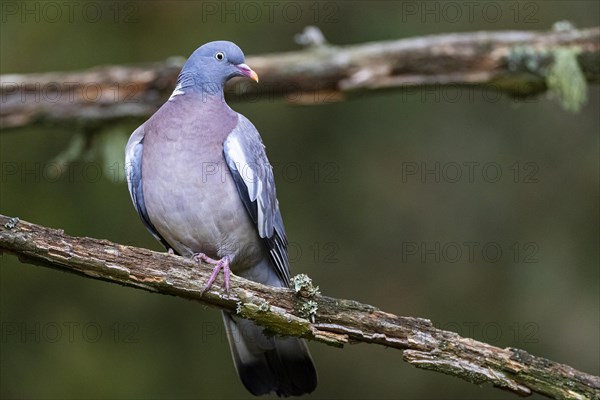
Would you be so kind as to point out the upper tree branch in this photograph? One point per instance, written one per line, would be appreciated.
(514, 62)
(281, 311)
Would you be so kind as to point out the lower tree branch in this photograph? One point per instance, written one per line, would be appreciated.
(521, 63)
(301, 312)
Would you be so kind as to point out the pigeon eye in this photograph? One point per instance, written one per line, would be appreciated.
(220, 56)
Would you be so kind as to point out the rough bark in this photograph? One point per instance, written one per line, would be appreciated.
(514, 62)
(301, 311)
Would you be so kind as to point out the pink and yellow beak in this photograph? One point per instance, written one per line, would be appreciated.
(247, 71)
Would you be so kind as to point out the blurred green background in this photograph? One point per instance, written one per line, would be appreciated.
(360, 225)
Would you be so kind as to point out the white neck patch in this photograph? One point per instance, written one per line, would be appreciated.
(178, 91)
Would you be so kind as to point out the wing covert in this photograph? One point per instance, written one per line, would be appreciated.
(247, 160)
(133, 171)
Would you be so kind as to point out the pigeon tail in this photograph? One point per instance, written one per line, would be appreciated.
(267, 364)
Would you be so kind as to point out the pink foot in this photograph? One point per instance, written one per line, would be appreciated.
(203, 257)
(223, 264)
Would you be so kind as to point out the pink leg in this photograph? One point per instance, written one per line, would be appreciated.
(223, 264)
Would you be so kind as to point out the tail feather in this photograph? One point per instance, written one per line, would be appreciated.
(269, 364)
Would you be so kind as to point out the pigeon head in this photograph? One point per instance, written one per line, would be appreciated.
(212, 65)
